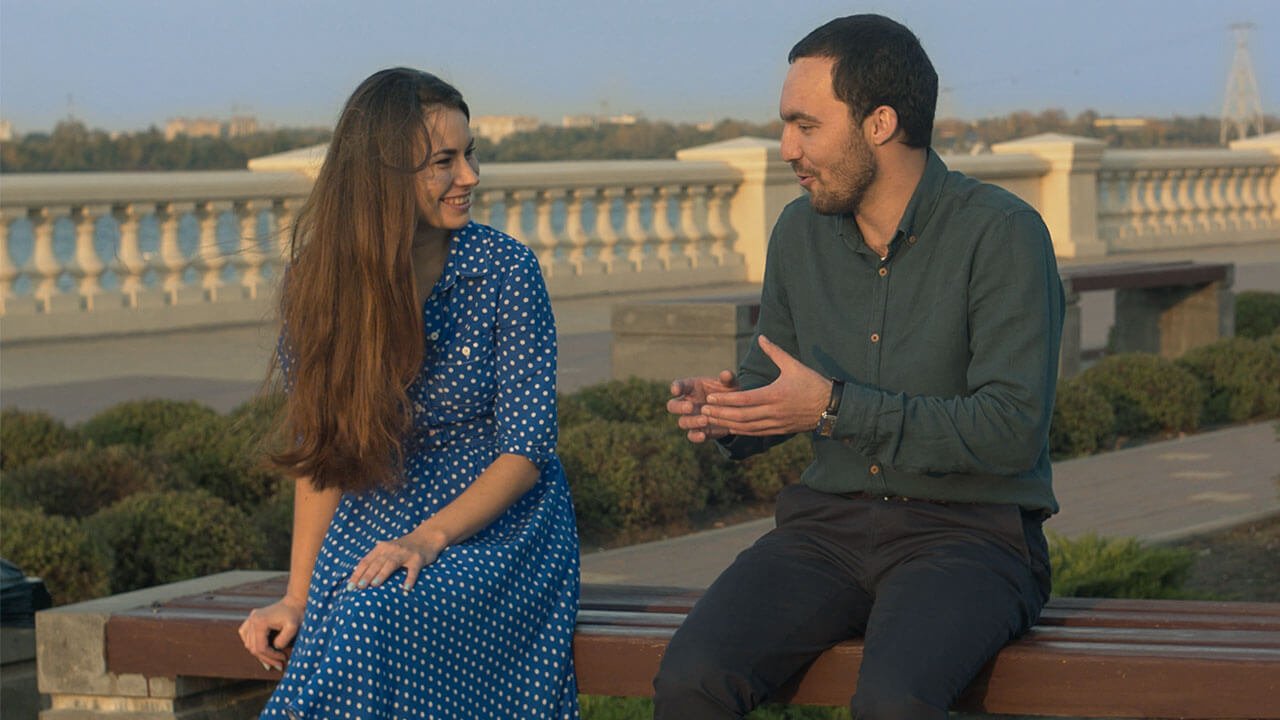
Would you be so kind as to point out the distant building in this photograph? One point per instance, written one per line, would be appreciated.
(242, 125)
(1129, 123)
(497, 127)
(192, 127)
(624, 119)
(6, 131)
(577, 121)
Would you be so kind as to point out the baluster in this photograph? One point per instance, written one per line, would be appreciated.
(169, 262)
(249, 257)
(545, 241)
(1151, 203)
(86, 266)
(1172, 206)
(1268, 210)
(129, 265)
(1217, 199)
(1199, 200)
(1235, 198)
(282, 214)
(578, 237)
(8, 268)
(1133, 204)
(209, 258)
(635, 234)
(609, 247)
(670, 251)
(1108, 205)
(43, 267)
(513, 223)
(693, 216)
(720, 226)
(481, 208)
(1251, 199)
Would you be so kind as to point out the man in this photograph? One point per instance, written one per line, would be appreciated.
(910, 320)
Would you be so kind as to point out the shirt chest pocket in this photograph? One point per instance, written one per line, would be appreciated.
(462, 381)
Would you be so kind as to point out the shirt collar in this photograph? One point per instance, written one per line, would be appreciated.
(468, 255)
(924, 199)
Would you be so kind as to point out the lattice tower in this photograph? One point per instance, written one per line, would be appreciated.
(1241, 107)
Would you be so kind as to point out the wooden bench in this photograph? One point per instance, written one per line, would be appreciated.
(1161, 308)
(1086, 658)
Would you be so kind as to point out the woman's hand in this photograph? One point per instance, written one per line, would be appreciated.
(283, 616)
(412, 552)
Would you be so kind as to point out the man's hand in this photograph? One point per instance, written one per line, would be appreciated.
(793, 403)
(690, 395)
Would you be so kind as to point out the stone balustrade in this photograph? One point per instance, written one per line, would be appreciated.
(88, 254)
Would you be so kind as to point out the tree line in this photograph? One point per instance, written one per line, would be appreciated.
(74, 147)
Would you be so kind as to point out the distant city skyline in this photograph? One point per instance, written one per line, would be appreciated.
(130, 64)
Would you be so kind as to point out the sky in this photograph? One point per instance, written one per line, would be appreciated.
(128, 64)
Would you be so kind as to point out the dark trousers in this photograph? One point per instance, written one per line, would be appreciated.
(935, 590)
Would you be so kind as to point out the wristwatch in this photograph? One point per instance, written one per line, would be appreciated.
(827, 421)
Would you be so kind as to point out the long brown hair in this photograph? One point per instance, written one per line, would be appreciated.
(352, 341)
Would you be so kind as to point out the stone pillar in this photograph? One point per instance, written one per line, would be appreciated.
(659, 340)
(1269, 142)
(1169, 321)
(767, 186)
(71, 665)
(1069, 191)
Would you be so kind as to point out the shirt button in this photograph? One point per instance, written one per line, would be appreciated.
(875, 469)
(912, 239)
(875, 337)
(883, 272)
(846, 441)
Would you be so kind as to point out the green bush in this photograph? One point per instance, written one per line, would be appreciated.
(141, 422)
(73, 565)
(30, 435)
(1147, 393)
(627, 476)
(78, 483)
(762, 476)
(223, 456)
(1240, 378)
(1082, 420)
(632, 400)
(1090, 566)
(164, 537)
(274, 520)
(1257, 314)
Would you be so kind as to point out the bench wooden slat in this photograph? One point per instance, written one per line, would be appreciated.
(1088, 657)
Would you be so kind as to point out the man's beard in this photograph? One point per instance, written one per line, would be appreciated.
(848, 181)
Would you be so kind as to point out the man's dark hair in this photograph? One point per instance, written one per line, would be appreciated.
(877, 62)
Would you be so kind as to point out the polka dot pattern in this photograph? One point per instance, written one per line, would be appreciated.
(487, 630)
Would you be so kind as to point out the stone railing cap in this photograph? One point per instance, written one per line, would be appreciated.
(1267, 141)
(747, 148)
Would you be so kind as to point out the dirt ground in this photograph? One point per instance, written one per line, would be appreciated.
(1242, 563)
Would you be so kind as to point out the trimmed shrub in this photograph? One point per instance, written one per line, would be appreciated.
(164, 537)
(30, 435)
(141, 422)
(1257, 314)
(224, 456)
(1090, 566)
(1082, 420)
(78, 483)
(632, 400)
(627, 476)
(274, 520)
(1240, 378)
(762, 476)
(571, 411)
(1147, 393)
(73, 565)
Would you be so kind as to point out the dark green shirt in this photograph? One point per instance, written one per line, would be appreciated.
(949, 347)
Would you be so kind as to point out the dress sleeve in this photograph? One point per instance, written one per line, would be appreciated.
(525, 360)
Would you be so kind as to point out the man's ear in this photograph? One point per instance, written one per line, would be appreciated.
(881, 125)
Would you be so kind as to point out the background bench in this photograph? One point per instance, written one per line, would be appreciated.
(1161, 308)
(175, 649)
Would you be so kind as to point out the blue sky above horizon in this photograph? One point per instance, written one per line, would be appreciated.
(127, 64)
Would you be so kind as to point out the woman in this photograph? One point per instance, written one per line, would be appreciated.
(434, 569)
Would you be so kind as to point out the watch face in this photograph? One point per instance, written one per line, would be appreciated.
(826, 424)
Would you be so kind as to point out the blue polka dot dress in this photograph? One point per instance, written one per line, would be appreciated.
(487, 630)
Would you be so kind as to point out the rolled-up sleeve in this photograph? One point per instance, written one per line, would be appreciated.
(525, 345)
